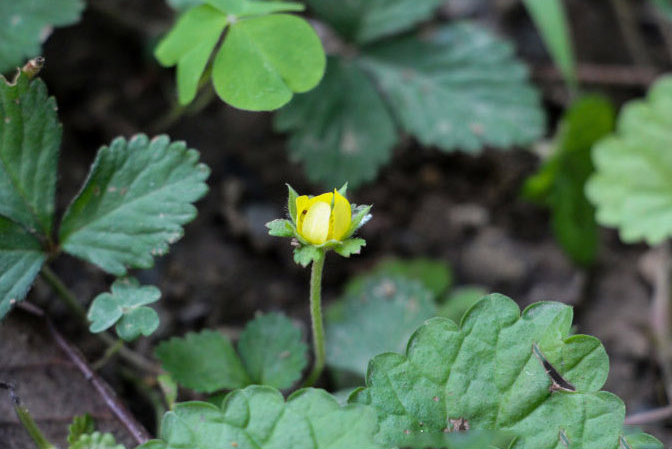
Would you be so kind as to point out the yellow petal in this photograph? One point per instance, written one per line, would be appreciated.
(301, 209)
(316, 223)
(341, 216)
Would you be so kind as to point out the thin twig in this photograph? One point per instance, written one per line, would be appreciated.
(658, 414)
(138, 432)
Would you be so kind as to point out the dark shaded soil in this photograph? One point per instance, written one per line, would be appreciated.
(459, 208)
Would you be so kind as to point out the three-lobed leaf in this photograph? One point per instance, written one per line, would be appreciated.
(24, 24)
(341, 131)
(258, 417)
(272, 351)
(126, 307)
(631, 186)
(498, 370)
(138, 195)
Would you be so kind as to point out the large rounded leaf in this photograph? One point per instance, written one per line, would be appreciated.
(632, 185)
(499, 370)
(264, 60)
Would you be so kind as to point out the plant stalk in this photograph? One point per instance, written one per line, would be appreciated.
(27, 420)
(316, 320)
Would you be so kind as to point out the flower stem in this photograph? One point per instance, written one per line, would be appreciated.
(316, 318)
(27, 420)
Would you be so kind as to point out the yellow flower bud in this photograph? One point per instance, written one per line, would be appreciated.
(323, 218)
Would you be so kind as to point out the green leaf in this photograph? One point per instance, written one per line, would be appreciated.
(30, 137)
(183, 5)
(169, 388)
(459, 301)
(24, 25)
(80, 425)
(350, 246)
(460, 87)
(21, 258)
(341, 131)
(281, 228)
(96, 440)
(134, 203)
(379, 317)
(304, 255)
(367, 20)
(265, 60)
(499, 370)
(551, 20)
(273, 351)
(640, 440)
(631, 186)
(360, 216)
(473, 439)
(125, 307)
(246, 8)
(560, 183)
(259, 418)
(433, 274)
(204, 361)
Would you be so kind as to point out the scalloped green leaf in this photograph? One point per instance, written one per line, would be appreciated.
(350, 246)
(379, 317)
(24, 25)
(30, 136)
(134, 203)
(459, 87)
(96, 440)
(126, 307)
(459, 301)
(560, 182)
(499, 370)
(342, 130)
(273, 351)
(259, 418)
(632, 185)
(367, 20)
(204, 361)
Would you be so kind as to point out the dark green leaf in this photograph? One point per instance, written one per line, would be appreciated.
(499, 371)
(30, 137)
(273, 351)
(21, 259)
(205, 362)
(341, 131)
(367, 20)
(631, 185)
(259, 418)
(24, 25)
(459, 87)
(378, 318)
(134, 203)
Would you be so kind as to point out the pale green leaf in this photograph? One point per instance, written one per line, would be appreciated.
(273, 351)
(259, 418)
(367, 20)
(306, 254)
(96, 440)
(459, 87)
(25, 24)
(632, 184)
(126, 307)
(640, 440)
(204, 361)
(341, 131)
(561, 181)
(434, 274)
(21, 258)
(138, 195)
(551, 21)
(499, 370)
(350, 246)
(30, 136)
(377, 318)
(281, 228)
(265, 60)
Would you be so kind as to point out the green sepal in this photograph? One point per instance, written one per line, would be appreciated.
(350, 246)
(306, 254)
(360, 216)
(344, 189)
(291, 203)
(281, 228)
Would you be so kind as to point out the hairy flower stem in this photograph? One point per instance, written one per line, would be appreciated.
(316, 318)
(132, 357)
